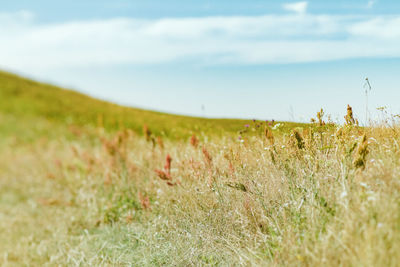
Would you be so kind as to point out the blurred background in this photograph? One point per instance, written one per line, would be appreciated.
(281, 60)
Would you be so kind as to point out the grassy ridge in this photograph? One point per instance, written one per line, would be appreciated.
(320, 195)
(318, 198)
(27, 99)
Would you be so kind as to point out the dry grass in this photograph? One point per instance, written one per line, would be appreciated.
(315, 196)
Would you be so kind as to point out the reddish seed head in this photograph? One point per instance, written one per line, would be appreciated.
(167, 165)
(147, 132)
(207, 156)
(144, 201)
(160, 142)
(194, 141)
(163, 175)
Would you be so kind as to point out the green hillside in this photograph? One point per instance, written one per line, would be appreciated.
(28, 101)
(75, 193)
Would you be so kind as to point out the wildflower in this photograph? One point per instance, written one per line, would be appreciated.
(167, 165)
(247, 126)
(194, 141)
(163, 175)
(207, 156)
(166, 173)
(144, 201)
(276, 126)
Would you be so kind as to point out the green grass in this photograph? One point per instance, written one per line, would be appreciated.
(74, 193)
(30, 100)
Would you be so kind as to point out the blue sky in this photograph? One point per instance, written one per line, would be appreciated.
(251, 59)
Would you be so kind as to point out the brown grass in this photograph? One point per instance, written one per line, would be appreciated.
(314, 196)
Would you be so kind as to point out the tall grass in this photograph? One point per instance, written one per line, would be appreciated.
(84, 182)
(316, 195)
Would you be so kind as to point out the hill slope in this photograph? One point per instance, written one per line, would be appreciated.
(27, 99)
(322, 196)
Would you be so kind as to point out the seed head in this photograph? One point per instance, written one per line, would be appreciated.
(147, 132)
(349, 116)
(194, 141)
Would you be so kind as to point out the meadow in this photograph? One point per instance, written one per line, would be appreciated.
(84, 182)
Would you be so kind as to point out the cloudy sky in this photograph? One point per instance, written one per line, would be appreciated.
(227, 58)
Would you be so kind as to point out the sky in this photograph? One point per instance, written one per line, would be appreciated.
(282, 60)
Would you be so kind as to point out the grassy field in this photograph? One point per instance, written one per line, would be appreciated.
(29, 100)
(82, 184)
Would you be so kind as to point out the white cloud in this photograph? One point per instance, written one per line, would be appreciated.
(298, 7)
(271, 39)
(380, 27)
(22, 15)
(371, 3)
